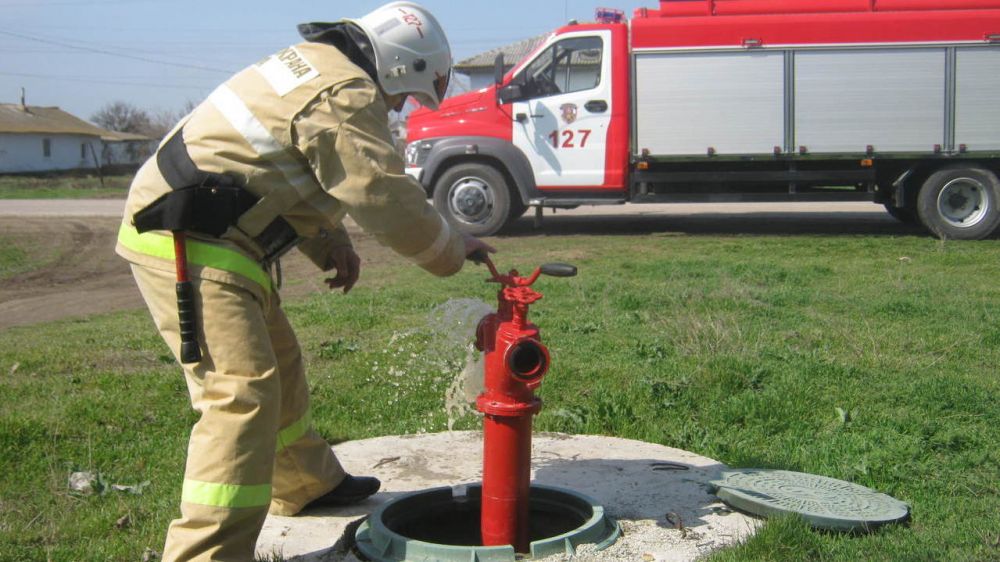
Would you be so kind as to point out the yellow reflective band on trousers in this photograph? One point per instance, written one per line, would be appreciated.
(198, 253)
(230, 496)
(294, 432)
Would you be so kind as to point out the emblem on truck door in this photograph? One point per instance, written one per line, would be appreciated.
(568, 112)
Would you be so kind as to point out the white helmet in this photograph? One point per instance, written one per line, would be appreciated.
(412, 55)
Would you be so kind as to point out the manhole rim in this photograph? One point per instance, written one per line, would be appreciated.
(599, 530)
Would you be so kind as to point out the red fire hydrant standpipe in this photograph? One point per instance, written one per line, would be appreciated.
(515, 362)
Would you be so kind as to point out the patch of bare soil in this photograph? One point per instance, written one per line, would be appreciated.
(81, 275)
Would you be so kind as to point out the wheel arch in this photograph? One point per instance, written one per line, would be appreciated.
(908, 177)
(500, 154)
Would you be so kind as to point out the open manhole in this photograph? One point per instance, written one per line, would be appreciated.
(443, 524)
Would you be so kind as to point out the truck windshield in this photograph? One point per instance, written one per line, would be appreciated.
(570, 65)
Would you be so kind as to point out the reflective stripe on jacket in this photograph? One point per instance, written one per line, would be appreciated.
(306, 131)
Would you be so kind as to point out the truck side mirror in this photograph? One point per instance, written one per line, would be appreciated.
(498, 69)
(497, 77)
(509, 93)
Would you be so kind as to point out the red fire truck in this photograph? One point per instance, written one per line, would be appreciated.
(891, 101)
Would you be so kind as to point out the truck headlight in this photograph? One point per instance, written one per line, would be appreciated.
(417, 152)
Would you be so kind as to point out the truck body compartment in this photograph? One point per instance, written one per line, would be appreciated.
(816, 101)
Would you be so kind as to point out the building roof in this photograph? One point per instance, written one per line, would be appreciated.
(119, 136)
(15, 118)
(512, 54)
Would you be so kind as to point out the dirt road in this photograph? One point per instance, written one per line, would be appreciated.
(845, 219)
(81, 275)
(62, 207)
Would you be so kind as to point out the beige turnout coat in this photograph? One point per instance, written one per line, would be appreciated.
(306, 131)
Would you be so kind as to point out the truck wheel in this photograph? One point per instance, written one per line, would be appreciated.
(960, 203)
(475, 197)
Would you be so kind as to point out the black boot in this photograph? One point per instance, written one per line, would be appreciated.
(350, 491)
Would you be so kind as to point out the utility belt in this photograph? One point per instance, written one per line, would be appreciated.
(207, 203)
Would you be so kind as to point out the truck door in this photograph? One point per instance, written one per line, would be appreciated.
(563, 114)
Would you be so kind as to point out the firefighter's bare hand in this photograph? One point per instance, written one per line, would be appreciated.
(476, 249)
(348, 266)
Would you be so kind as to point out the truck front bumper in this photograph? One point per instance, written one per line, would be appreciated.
(414, 173)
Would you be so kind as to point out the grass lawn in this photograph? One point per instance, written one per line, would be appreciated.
(64, 187)
(13, 259)
(19, 254)
(870, 359)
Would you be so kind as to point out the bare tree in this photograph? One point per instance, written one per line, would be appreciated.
(161, 122)
(122, 117)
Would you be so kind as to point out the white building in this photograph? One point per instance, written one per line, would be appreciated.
(126, 149)
(47, 139)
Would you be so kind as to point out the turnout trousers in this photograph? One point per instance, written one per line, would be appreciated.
(252, 449)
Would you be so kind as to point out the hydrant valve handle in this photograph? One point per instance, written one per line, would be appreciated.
(553, 269)
(480, 257)
(559, 270)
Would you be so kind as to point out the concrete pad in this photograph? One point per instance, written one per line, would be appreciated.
(658, 494)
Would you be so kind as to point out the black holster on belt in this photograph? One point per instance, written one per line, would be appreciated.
(209, 207)
(206, 203)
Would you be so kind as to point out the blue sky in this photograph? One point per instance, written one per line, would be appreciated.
(157, 54)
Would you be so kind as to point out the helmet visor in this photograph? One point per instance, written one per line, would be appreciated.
(432, 99)
(441, 85)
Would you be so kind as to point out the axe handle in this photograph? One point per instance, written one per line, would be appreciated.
(190, 351)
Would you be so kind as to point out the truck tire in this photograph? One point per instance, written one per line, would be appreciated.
(517, 208)
(960, 203)
(474, 197)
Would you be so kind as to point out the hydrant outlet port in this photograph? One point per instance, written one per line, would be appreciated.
(528, 360)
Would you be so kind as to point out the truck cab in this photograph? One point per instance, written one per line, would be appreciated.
(552, 131)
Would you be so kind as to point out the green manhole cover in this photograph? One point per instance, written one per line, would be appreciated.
(826, 503)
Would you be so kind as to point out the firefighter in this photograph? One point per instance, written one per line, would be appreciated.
(274, 159)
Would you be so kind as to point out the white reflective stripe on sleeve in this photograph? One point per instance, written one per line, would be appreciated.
(260, 139)
(437, 248)
(243, 120)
